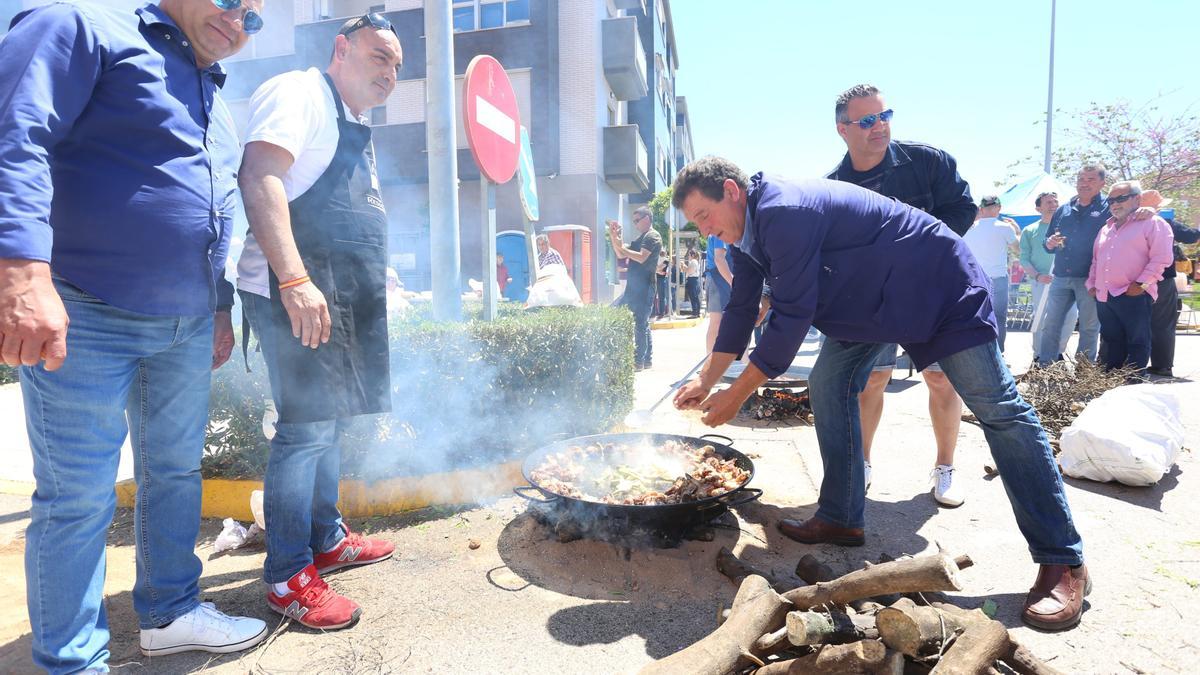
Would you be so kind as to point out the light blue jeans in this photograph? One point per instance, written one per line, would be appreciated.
(125, 373)
(1068, 324)
(1065, 292)
(1010, 425)
(300, 490)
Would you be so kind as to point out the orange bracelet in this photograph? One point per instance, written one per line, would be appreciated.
(294, 282)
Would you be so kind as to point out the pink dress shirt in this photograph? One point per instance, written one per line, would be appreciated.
(1134, 253)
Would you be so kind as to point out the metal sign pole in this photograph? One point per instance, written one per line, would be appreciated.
(487, 213)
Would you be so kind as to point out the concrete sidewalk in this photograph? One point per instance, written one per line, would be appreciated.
(524, 603)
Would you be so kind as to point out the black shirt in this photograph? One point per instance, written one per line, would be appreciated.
(641, 274)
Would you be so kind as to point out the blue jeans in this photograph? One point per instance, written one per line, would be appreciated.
(1125, 327)
(300, 490)
(147, 376)
(1068, 324)
(1065, 292)
(639, 301)
(1000, 307)
(1013, 432)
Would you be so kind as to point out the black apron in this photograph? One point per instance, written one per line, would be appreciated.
(340, 230)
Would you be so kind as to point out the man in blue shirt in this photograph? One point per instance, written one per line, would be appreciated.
(118, 167)
(923, 290)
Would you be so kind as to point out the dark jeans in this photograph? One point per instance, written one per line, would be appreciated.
(1125, 327)
(662, 304)
(639, 301)
(1164, 316)
(1011, 426)
(692, 289)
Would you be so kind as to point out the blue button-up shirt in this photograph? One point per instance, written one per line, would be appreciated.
(118, 158)
(1080, 225)
(859, 266)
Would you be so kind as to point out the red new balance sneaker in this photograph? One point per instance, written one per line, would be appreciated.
(313, 603)
(354, 549)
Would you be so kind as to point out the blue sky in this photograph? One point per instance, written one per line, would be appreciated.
(761, 76)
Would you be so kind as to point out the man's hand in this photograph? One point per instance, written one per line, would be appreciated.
(764, 306)
(1144, 212)
(1055, 240)
(222, 338)
(33, 321)
(306, 307)
(721, 406)
(1135, 290)
(1092, 292)
(691, 395)
(1045, 278)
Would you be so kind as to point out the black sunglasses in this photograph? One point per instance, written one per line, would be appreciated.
(868, 121)
(1121, 199)
(252, 21)
(374, 19)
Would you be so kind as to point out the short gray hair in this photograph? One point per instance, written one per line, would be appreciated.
(643, 211)
(1096, 167)
(843, 101)
(707, 175)
(542, 237)
(1135, 186)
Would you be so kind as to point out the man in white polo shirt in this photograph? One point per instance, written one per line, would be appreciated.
(991, 239)
(312, 281)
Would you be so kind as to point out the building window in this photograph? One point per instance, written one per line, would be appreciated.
(379, 115)
(481, 14)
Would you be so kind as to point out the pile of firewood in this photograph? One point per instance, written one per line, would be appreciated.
(1060, 391)
(873, 620)
(779, 405)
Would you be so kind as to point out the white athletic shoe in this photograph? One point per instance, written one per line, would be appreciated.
(944, 490)
(203, 629)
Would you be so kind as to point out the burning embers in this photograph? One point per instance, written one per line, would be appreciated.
(779, 405)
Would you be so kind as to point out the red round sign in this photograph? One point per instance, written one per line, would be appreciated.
(491, 118)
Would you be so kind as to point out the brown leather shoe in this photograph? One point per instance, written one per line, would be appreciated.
(1056, 600)
(817, 531)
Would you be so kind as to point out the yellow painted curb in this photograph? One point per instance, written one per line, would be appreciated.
(231, 498)
(679, 323)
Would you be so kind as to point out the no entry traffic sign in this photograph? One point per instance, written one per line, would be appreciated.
(491, 118)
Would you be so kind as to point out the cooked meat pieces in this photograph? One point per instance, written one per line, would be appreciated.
(613, 474)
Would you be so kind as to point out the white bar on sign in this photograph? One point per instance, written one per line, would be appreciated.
(495, 119)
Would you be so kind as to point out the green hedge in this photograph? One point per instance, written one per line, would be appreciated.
(7, 374)
(464, 394)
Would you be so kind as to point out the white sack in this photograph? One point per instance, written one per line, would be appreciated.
(1129, 434)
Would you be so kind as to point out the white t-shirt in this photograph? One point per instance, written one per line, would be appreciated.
(295, 111)
(989, 239)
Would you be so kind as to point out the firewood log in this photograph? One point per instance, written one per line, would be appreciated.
(974, 652)
(925, 573)
(757, 610)
(834, 627)
(1019, 659)
(771, 642)
(737, 570)
(917, 631)
(867, 656)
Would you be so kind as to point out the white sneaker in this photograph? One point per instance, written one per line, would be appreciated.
(944, 490)
(867, 475)
(203, 629)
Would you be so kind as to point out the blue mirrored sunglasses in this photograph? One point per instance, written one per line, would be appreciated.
(868, 121)
(374, 19)
(252, 21)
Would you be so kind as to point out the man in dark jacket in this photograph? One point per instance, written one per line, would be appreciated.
(924, 291)
(1164, 315)
(926, 178)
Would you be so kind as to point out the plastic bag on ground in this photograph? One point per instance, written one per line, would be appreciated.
(256, 508)
(553, 288)
(232, 536)
(1129, 434)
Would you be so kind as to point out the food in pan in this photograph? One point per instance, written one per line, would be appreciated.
(669, 473)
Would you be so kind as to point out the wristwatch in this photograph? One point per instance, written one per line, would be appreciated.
(1145, 286)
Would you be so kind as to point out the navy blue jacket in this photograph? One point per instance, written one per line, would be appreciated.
(860, 267)
(923, 177)
(1080, 225)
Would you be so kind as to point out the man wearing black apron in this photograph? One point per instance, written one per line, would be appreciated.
(319, 308)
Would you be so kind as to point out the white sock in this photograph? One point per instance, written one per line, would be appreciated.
(280, 589)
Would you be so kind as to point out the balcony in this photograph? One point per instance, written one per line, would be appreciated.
(639, 5)
(626, 163)
(624, 60)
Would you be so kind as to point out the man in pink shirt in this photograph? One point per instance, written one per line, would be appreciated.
(1128, 258)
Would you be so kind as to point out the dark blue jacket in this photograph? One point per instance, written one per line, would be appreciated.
(1080, 225)
(860, 267)
(924, 177)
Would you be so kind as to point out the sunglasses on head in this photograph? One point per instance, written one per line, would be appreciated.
(1121, 199)
(252, 21)
(373, 19)
(868, 121)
